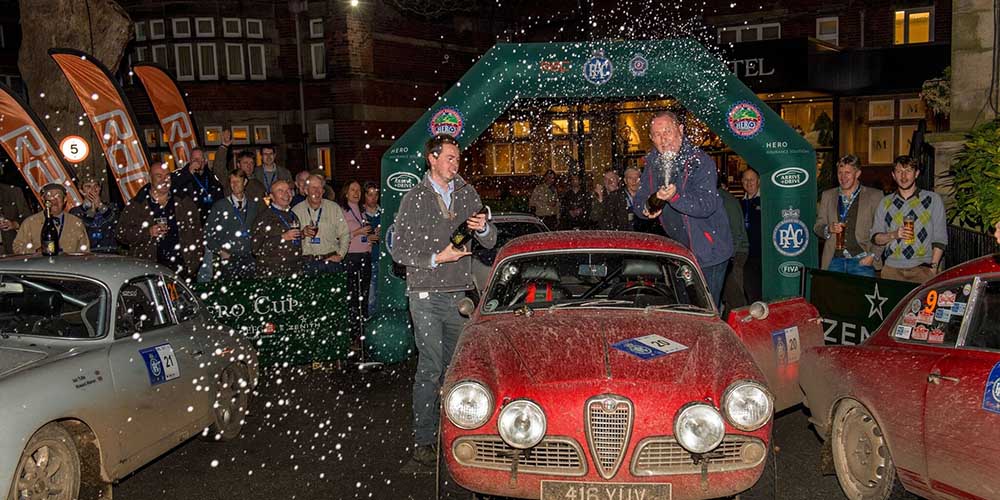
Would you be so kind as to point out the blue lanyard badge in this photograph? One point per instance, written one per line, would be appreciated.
(843, 207)
(206, 193)
(268, 180)
(315, 240)
(287, 224)
(243, 232)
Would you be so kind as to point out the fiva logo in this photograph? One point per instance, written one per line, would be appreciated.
(790, 177)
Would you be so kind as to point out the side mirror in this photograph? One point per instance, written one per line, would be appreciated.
(758, 311)
(466, 307)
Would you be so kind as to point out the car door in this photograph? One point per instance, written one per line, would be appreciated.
(152, 363)
(962, 416)
(776, 341)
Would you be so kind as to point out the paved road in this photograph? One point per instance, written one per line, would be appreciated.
(343, 435)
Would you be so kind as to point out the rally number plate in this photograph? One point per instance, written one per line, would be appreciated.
(569, 490)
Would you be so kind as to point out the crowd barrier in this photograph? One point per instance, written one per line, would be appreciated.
(852, 307)
(290, 320)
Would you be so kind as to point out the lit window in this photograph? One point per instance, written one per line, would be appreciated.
(522, 129)
(255, 28)
(150, 135)
(184, 55)
(316, 28)
(204, 26)
(560, 127)
(258, 68)
(140, 31)
(500, 130)
(182, 27)
(324, 161)
(749, 33)
(317, 53)
(234, 62)
(241, 134)
(262, 134)
(913, 26)
(213, 136)
(828, 29)
(232, 27)
(207, 65)
(157, 29)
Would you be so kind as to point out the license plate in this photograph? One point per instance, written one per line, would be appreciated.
(568, 490)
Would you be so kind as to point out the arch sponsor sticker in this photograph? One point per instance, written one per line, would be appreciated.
(790, 236)
(598, 69)
(790, 177)
(745, 119)
(447, 120)
(402, 181)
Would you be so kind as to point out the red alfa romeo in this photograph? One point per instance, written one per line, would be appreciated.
(917, 406)
(596, 367)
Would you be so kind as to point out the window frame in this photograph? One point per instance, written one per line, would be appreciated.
(202, 75)
(177, 21)
(230, 75)
(140, 31)
(197, 27)
(256, 22)
(836, 36)
(140, 54)
(263, 61)
(177, 62)
(154, 282)
(261, 141)
(918, 294)
(155, 143)
(313, 23)
(906, 24)
(212, 128)
(978, 287)
(166, 55)
(244, 128)
(109, 298)
(738, 29)
(313, 60)
(163, 29)
(165, 282)
(232, 34)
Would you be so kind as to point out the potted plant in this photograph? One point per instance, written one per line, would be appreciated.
(975, 175)
(936, 94)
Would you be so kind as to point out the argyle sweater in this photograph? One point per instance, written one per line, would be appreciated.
(929, 227)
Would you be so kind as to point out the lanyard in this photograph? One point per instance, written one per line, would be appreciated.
(319, 215)
(203, 186)
(842, 207)
(268, 181)
(282, 219)
(239, 216)
(349, 209)
(747, 205)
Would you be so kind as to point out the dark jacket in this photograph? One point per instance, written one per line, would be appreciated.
(735, 215)
(612, 212)
(226, 231)
(573, 201)
(204, 190)
(695, 215)
(275, 256)
(422, 229)
(13, 206)
(133, 231)
(101, 224)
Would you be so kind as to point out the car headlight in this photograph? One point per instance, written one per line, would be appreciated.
(522, 424)
(699, 428)
(468, 405)
(747, 405)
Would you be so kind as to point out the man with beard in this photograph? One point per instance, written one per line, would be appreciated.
(277, 235)
(910, 223)
(163, 228)
(437, 277)
(684, 177)
(848, 210)
(198, 183)
(228, 230)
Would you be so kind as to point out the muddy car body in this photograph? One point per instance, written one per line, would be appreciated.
(105, 364)
(596, 362)
(917, 405)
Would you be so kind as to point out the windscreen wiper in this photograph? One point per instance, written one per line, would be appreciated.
(591, 303)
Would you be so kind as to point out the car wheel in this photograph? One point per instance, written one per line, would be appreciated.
(49, 467)
(232, 399)
(861, 456)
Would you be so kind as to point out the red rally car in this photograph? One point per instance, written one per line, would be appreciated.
(917, 405)
(596, 366)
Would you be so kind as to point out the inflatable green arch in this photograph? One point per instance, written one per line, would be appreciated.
(681, 68)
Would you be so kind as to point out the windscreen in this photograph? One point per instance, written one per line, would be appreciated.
(51, 306)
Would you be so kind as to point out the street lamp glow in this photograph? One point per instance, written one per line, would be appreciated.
(354, 3)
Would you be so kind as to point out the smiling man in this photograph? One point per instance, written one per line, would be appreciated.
(437, 277)
(848, 209)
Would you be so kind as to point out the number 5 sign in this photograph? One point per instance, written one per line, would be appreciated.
(74, 149)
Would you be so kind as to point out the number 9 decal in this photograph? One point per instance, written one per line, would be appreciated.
(932, 298)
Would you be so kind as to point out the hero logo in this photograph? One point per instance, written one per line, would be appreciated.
(38, 165)
(122, 149)
(745, 119)
(447, 121)
(790, 177)
(402, 181)
(181, 136)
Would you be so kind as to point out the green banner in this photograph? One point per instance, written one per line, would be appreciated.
(852, 307)
(290, 320)
(681, 68)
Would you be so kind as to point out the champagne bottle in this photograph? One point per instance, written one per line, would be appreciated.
(463, 233)
(666, 165)
(50, 234)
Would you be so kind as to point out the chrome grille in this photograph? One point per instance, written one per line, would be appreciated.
(664, 455)
(609, 425)
(555, 455)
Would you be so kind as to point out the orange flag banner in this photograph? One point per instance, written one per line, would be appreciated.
(104, 102)
(31, 148)
(170, 109)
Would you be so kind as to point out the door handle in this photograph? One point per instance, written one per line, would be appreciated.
(936, 378)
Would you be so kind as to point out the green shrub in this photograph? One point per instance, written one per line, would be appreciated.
(976, 179)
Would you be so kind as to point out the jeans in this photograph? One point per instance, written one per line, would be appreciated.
(436, 327)
(715, 277)
(851, 266)
(320, 266)
(359, 274)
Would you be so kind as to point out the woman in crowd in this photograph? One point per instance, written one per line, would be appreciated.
(373, 213)
(358, 260)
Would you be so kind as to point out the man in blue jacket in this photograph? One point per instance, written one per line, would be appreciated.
(685, 177)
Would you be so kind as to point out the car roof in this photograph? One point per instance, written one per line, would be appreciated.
(111, 269)
(982, 265)
(611, 240)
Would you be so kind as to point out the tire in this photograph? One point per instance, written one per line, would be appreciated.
(49, 467)
(232, 400)
(861, 455)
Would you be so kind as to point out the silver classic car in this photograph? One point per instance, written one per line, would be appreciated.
(105, 364)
